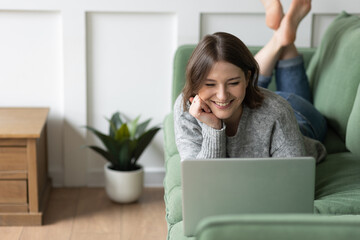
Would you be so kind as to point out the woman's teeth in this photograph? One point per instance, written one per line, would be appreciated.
(222, 104)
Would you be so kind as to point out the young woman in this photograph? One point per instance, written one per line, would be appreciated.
(225, 110)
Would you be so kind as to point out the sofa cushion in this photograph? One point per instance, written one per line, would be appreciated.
(338, 184)
(172, 180)
(334, 71)
(333, 142)
(173, 176)
(279, 227)
(174, 206)
(176, 232)
(353, 129)
(169, 136)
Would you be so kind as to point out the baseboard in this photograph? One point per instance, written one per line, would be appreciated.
(153, 177)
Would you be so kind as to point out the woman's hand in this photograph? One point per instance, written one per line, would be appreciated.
(201, 111)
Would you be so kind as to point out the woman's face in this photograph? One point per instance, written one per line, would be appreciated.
(224, 91)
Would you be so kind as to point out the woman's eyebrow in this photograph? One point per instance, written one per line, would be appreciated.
(212, 80)
(234, 78)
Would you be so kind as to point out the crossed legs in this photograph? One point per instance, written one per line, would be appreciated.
(281, 53)
(281, 45)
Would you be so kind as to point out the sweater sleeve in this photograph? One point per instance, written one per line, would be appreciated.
(195, 139)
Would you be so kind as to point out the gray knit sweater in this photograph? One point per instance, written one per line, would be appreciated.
(268, 131)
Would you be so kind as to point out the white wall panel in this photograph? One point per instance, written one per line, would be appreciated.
(31, 71)
(245, 26)
(129, 70)
(249, 27)
(320, 24)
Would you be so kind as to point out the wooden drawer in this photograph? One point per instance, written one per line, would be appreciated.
(13, 142)
(13, 191)
(13, 158)
(14, 208)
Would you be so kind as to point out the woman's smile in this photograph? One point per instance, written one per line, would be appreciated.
(222, 105)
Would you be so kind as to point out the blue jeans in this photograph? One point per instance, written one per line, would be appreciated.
(293, 85)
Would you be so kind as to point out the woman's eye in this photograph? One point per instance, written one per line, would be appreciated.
(209, 84)
(234, 83)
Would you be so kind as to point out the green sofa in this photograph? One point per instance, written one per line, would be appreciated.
(334, 74)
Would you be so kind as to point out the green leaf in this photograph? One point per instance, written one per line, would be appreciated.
(112, 128)
(110, 143)
(144, 141)
(133, 127)
(104, 153)
(115, 124)
(122, 133)
(124, 157)
(133, 145)
(141, 128)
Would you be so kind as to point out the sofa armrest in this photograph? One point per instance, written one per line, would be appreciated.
(292, 226)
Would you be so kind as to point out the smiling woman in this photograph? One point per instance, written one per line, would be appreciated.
(225, 109)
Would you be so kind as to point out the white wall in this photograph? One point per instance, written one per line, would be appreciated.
(88, 59)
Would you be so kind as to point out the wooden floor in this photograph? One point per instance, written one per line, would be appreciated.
(87, 213)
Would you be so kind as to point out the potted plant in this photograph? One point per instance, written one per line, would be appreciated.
(124, 145)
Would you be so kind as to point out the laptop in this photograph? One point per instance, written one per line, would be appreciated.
(213, 187)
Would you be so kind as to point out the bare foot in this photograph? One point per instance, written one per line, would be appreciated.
(290, 22)
(274, 13)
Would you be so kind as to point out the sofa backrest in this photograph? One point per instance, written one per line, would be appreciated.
(182, 56)
(334, 75)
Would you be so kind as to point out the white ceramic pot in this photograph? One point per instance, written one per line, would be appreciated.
(123, 187)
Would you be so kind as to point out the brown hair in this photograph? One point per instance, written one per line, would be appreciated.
(222, 47)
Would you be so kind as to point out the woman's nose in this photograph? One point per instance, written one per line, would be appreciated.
(222, 94)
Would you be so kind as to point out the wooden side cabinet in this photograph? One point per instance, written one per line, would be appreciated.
(24, 182)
